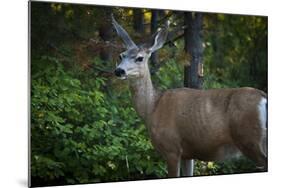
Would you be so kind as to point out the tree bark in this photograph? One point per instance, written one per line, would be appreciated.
(193, 72)
(138, 20)
(105, 33)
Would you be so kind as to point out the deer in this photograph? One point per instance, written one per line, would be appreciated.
(185, 124)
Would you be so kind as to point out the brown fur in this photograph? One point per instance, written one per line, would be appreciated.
(208, 124)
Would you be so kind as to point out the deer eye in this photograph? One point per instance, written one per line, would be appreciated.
(139, 59)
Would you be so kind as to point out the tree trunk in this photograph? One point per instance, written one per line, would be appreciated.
(153, 29)
(138, 20)
(193, 72)
(105, 33)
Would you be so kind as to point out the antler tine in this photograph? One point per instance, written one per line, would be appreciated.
(123, 34)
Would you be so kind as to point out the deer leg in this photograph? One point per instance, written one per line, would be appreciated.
(259, 153)
(187, 167)
(173, 162)
(254, 146)
(254, 152)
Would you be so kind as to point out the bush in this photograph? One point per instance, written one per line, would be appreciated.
(81, 133)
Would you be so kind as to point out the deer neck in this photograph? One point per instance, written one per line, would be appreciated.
(144, 95)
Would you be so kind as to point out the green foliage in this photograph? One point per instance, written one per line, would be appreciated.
(169, 75)
(231, 166)
(82, 134)
(235, 51)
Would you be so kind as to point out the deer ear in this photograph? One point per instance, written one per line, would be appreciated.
(123, 34)
(159, 39)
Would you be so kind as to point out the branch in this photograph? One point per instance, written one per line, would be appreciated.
(102, 72)
(165, 17)
(107, 44)
(170, 42)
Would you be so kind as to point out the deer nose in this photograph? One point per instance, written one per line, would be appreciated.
(119, 72)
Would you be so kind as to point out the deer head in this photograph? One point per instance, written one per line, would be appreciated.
(134, 61)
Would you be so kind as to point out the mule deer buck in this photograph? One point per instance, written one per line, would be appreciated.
(186, 124)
